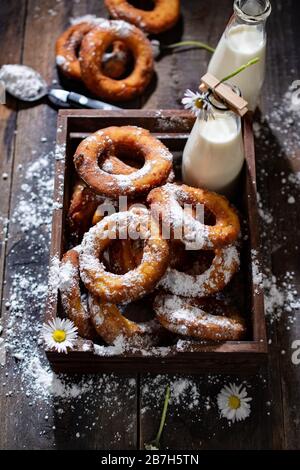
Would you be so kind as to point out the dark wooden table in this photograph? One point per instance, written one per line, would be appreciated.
(123, 412)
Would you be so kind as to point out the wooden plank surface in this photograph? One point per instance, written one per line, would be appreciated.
(11, 32)
(120, 412)
(105, 416)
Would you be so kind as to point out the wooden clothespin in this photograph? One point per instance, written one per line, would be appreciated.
(225, 93)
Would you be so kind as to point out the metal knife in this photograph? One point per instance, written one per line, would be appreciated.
(71, 98)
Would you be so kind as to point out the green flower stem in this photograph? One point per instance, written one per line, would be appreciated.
(200, 44)
(154, 445)
(240, 69)
(163, 416)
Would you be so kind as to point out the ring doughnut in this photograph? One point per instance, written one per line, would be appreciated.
(92, 50)
(110, 324)
(168, 201)
(134, 284)
(224, 265)
(163, 17)
(72, 300)
(141, 145)
(205, 319)
(83, 204)
(68, 44)
(66, 49)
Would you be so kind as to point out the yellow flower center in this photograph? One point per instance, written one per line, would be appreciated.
(199, 103)
(59, 336)
(234, 402)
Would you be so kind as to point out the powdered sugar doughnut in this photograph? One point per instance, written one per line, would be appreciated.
(83, 204)
(200, 318)
(167, 202)
(224, 265)
(164, 15)
(142, 146)
(116, 166)
(135, 283)
(68, 45)
(110, 324)
(73, 302)
(93, 47)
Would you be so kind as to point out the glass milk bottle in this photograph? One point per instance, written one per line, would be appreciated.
(243, 39)
(214, 153)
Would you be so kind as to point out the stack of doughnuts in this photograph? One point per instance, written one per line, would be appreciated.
(99, 52)
(81, 54)
(122, 254)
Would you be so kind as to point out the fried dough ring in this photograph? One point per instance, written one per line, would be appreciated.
(69, 42)
(83, 204)
(190, 317)
(137, 282)
(70, 294)
(66, 46)
(168, 200)
(141, 144)
(93, 47)
(110, 324)
(224, 265)
(163, 17)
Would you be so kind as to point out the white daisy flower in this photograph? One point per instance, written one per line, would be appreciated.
(198, 104)
(59, 334)
(233, 402)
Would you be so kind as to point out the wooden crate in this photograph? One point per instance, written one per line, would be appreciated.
(172, 127)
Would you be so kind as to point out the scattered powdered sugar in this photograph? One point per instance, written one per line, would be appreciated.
(283, 122)
(280, 294)
(60, 60)
(67, 273)
(122, 28)
(25, 302)
(88, 19)
(119, 347)
(277, 143)
(54, 276)
(257, 276)
(185, 393)
(60, 151)
(35, 202)
(155, 44)
(22, 81)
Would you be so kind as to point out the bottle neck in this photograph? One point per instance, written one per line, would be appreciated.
(252, 12)
(221, 111)
(249, 17)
